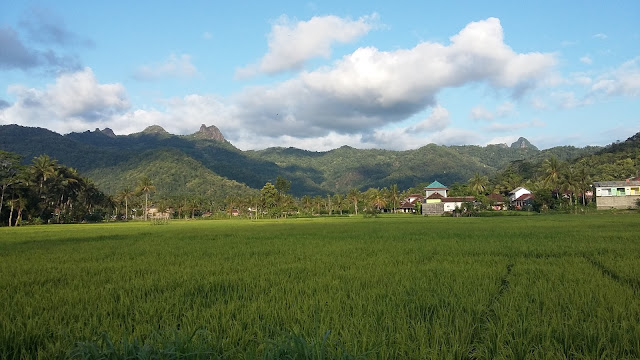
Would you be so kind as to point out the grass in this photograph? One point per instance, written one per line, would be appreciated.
(390, 287)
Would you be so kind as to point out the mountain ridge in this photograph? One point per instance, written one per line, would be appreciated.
(311, 172)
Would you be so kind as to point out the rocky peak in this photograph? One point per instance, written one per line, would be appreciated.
(523, 143)
(209, 132)
(108, 132)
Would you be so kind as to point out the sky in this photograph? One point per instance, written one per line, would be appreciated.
(319, 75)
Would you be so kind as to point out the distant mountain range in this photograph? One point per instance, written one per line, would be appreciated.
(205, 163)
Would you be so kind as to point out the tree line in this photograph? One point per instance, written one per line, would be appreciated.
(47, 192)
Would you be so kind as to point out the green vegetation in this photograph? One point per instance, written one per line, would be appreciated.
(388, 287)
(205, 165)
(45, 192)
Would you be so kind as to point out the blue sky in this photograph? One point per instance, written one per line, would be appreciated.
(319, 75)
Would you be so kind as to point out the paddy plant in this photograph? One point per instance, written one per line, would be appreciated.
(397, 287)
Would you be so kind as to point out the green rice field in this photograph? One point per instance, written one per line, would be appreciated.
(397, 287)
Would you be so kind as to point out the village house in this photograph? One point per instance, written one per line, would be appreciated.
(437, 202)
(520, 197)
(409, 204)
(617, 194)
(497, 202)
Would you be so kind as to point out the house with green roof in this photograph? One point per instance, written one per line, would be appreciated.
(436, 188)
(437, 202)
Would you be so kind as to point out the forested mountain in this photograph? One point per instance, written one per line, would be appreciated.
(206, 164)
(617, 161)
(552, 173)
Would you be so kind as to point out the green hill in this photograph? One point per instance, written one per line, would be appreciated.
(204, 163)
(174, 174)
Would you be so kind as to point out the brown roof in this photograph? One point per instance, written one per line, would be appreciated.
(496, 197)
(459, 199)
(525, 197)
(435, 196)
(406, 205)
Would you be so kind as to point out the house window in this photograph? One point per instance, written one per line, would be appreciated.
(621, 192)
(634, 191)
(606, 192)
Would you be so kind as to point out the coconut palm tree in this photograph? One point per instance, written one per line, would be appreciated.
(126, 194)
(145, 186)
(377, 198)
(338, 201)
(42, 169)
(584, 182)
(307, 204)
(479, 183)
(551, 168)
(354, 196)
(394, 196)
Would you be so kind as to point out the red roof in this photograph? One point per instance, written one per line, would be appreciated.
(496, 197)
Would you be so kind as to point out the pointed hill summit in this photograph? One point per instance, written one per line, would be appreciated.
(523, 143)
(209, 133)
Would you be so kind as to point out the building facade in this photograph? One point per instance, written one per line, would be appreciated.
(617, 194)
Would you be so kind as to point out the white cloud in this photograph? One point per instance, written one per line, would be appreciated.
(207, 35)
(351, 101)
(292, 43)
(499, 127)
(624, 81)
(182, 116)
(600, 36)
(404, 139)
(581, 79)
(586, 60)
(503, 110)
(454, 136)
(370, 88)
(436, 121)
(481, 113)
(568, 99)
(174, 66)
(538, 104)
(502, 140)
(74, 102)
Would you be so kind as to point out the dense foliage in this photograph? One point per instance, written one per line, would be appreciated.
(106, 158)
(194, 175)
(392, 287)
(46, 191)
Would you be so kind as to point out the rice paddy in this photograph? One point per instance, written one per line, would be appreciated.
(563, 286)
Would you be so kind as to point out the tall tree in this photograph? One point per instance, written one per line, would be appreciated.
(551, 168)
(377, 198)
(307, 203)
(145, 186)
(269, 198)
(231, 202)
(43, 168)
(282, 185)
(394, 196)
(479, 183)
(584, 182)
(354, 196)
(126, 194)
(9, 168)
(338, 201)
